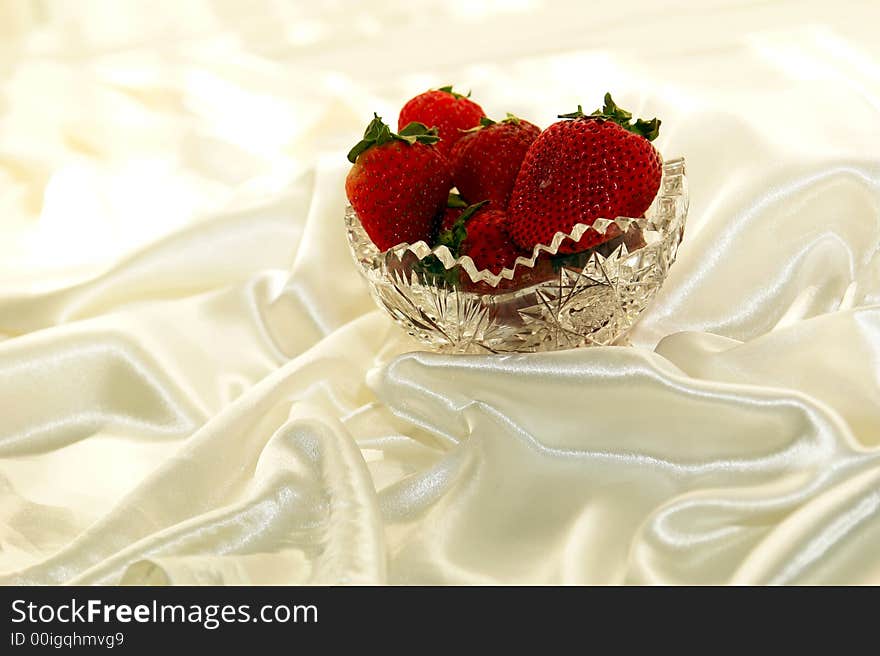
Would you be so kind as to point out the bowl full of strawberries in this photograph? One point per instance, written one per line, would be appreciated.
(483, 236)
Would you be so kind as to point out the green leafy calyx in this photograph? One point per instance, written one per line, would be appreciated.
(611, 112)
(448, 89)
(486, 122)
(378, 133)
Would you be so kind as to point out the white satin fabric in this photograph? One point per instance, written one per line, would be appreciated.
(196, 388)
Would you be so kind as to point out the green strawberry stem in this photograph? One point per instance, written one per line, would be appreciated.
(378, 133)
(448, 89)
(611, 112)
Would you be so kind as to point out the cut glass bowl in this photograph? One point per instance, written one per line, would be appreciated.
(545, 303)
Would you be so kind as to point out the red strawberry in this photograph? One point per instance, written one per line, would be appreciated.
(449, 112)
(482, 234)
(485, 161)
(596, 166)
(398, 183)
(488, 242)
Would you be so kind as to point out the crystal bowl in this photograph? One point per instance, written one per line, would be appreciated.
(544, 303)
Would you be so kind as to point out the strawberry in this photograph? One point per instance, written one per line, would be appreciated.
(488, 242)
(451, 113)
(398, 183)
(482, 234)
(584, 168)
(486, 160)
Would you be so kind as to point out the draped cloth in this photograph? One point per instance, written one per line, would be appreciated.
(195, 386)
